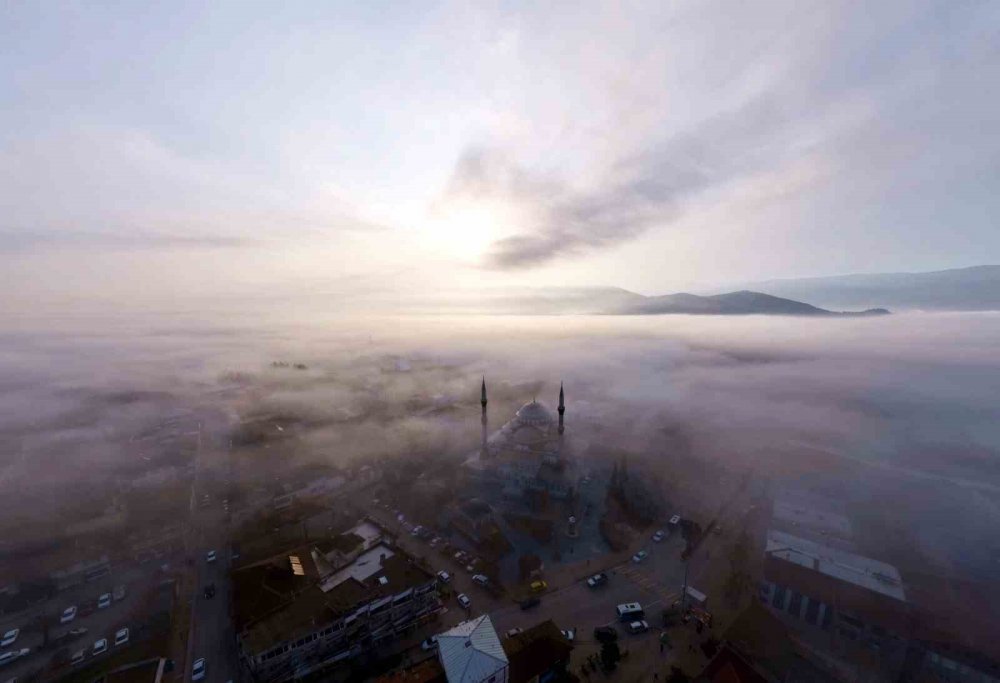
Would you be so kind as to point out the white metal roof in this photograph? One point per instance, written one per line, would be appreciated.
(364, 566)
(471, 652)
(838, 564)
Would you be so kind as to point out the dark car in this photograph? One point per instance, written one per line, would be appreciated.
(533, 601)
(210, 591)
(605, 634)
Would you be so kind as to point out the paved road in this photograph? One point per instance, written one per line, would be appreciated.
(211, 634)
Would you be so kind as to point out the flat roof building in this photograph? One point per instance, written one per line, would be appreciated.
(300, 611)
(845, 603)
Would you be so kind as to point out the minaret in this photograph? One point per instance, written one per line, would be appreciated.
(482, 400)
(562, 407)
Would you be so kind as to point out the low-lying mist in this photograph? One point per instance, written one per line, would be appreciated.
(896, 415)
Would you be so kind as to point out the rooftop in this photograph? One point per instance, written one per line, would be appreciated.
(273, 604)
(841, 565)
(471, 651)
(366, 564)
(534, 413)
(536, 650)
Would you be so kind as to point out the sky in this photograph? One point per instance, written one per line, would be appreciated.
(188, 149)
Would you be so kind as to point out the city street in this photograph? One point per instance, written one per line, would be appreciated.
(210, 636)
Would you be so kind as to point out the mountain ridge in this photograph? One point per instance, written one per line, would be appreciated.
(973, 288)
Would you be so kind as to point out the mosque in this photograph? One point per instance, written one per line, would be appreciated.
(527, 455)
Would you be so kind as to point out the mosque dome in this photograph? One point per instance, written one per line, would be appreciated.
(534, 413)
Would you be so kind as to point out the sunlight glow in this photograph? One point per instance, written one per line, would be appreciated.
(464, 228)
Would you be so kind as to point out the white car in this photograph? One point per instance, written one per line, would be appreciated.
(513, 632)
(68, 615)
(210, 556)
(100, 646)
(9, 637)
(198, 670)
(78, 657)
(464, 601)
(638, 627)
(8, 657)
(444, 577)
(121, 636)
(416, 530)
(675, 520)
(104, 601)
(481, 579)
(659, 535)
(640, 556)
(429, 643)
(569, 634)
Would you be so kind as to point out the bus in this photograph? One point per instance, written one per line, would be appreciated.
(630, 611)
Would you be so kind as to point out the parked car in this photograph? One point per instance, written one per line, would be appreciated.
(597, 580)
(640, 556)
(533, 601)
(416, 530)
(198, 670)
(675, 520)
(210, 591)
(513, 632)
(13, 655)
(77, 632)
(429, 643)
(569, 634)
(9, 637)
(210, 556)
(104, 601)
(605, 634)
(78, 657)
(464, 600)
(481, 579)
(444, 577)
(121, 636)
(68, 615)
(118, 593)
(638, 627)
(538, 586)
(100, 647)
(659, 535)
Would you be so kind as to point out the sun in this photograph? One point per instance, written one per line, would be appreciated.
(465, 228)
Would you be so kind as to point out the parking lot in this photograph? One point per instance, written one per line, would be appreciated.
(64, 638)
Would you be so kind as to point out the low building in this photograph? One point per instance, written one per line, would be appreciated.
(539, 654)
(300, 611)
(842, 603)
(472, 653)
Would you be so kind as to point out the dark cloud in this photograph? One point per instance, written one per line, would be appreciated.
(645, 189)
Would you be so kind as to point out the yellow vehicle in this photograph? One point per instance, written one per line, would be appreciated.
(538, 586)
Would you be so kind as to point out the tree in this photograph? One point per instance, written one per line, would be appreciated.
(610, 655)
(677, 676)
(527, 564)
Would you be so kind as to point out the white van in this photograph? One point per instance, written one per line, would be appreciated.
(630, 611)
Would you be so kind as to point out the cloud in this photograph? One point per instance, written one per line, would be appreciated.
(816, 133)
(737, 151)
